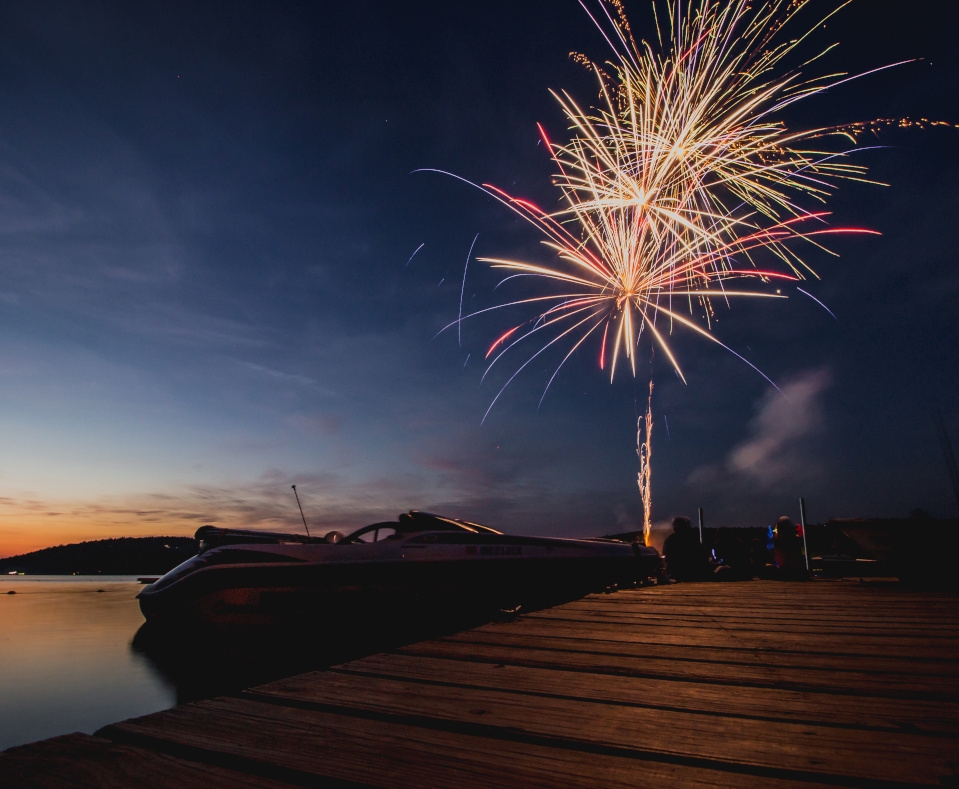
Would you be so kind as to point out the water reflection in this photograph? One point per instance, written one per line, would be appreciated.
(65, 658)
(201, 664)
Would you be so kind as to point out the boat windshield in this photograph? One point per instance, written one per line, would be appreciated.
(194, 563)
(376, 532)
(427, 521)
(411, 523)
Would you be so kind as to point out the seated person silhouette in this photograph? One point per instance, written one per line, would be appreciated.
(685, 556)
(733, 560)
(788, 550)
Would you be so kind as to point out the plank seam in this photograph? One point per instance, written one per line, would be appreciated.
(683, 659)
(915, 635)
(619, 671)
(772, 651)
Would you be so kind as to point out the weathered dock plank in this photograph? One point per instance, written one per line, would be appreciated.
(645, 732)
(612, 661)
(79, 761)
(309, 746)
(741, 684)
(629, 640)
(772, 706)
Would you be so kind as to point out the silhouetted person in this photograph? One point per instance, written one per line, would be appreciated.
(927, 556)
(733, 558)
(685, 556)
(788, 554)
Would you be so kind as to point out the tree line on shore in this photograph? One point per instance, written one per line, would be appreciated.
(116, 556)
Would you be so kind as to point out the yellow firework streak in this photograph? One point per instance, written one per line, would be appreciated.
(673, 182)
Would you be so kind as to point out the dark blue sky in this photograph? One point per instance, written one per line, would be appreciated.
(206, 212)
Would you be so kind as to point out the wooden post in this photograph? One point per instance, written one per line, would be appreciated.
(802, 520)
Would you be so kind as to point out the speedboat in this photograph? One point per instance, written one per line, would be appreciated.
(420, 562)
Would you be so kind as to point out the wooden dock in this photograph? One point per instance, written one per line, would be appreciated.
(762, 684)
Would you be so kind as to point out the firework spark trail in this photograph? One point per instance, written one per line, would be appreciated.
(806, 293)
(459, 328)
(644, 449)
(674, 183)
(414, 253)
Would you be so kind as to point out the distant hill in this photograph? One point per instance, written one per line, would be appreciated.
(119, 556)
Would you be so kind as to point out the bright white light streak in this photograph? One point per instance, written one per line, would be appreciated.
(459, 320)
(819, 303)
(414, 253)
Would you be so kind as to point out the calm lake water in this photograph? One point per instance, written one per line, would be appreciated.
(67, 661)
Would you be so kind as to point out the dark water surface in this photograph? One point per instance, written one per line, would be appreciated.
(76, 655)
(66, 657)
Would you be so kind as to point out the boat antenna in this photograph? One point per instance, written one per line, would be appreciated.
(301, 510)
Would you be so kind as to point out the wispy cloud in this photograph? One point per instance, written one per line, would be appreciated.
(284, 377)
(777, 449)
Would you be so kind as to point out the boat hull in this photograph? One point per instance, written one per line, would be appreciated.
(277, 594)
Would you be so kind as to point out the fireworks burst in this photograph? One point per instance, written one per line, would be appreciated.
(674, 182)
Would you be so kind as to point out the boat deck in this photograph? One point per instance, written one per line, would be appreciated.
(737, 684)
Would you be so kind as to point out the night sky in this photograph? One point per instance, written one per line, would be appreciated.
(207, 213)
